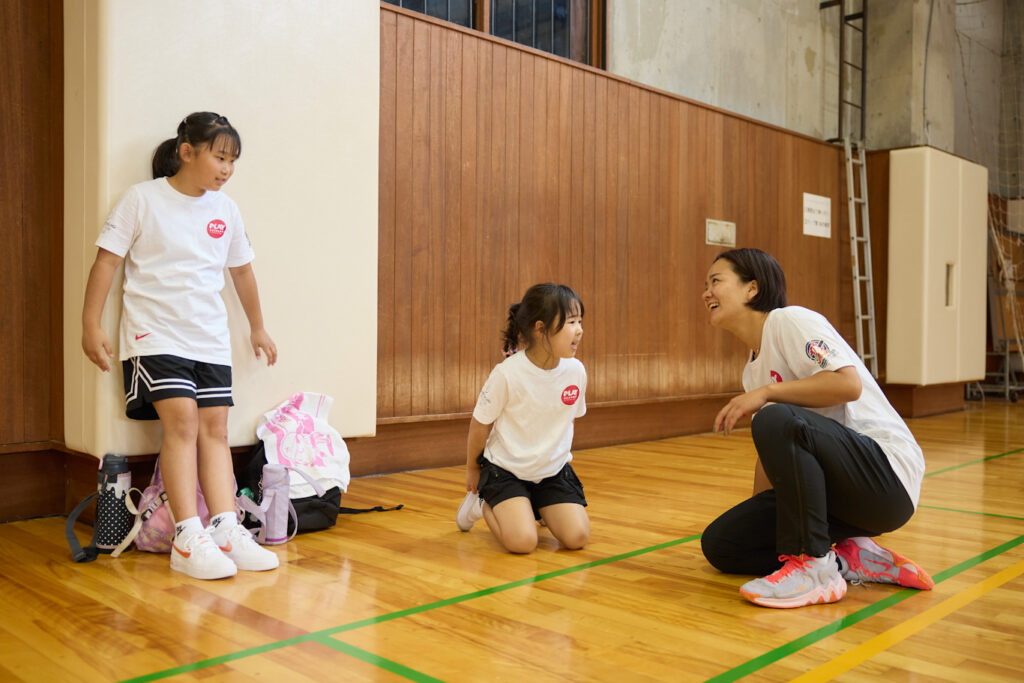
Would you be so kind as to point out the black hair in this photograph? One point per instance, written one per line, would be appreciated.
(199, 128)
(549, 303)
(754, 264)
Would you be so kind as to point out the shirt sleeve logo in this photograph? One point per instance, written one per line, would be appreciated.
(818, 351)
(570, 394)
(216, 228)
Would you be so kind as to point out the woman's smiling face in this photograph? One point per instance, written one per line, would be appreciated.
(725, 295)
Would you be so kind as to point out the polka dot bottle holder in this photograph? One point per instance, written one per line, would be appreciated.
(115, 510)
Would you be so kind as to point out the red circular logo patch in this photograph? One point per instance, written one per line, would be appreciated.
(570, 394)
(776, 377)
(216, 228)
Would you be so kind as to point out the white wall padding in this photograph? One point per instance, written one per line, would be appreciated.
(300, 81)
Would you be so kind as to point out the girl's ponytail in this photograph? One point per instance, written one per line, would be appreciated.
(197, 129)
(546, 303)
(165, 159)
(512, 336)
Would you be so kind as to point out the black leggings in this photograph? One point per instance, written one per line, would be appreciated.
(830, 483)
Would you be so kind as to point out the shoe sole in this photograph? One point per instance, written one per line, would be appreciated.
(211, 576)
(255, 568)
(833, 592)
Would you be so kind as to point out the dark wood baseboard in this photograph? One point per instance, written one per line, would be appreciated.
(33, 484)
(441, 443)
(916, 401)
(53, 481)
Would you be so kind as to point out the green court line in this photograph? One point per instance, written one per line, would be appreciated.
(971, 512)
(794, 646)
(386, 664)
(319, 636)
(972, 462)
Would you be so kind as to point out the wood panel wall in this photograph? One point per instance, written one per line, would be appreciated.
(501, 166)
(31, 261)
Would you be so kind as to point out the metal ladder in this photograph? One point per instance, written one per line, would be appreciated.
(853, 23)
(860, 252)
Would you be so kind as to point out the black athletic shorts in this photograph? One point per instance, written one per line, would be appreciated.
(497, 485)
(148, 379)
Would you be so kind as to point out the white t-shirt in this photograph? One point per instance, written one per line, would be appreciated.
(533, 412)
(797, 343)
(175, 248)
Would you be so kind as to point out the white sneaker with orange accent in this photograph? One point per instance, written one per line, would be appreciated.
(801, 581)
(199, 557)
(238, 544)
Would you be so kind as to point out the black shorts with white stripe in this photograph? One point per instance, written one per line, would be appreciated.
(148, 379)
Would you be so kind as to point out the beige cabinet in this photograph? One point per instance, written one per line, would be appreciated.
(938, 212)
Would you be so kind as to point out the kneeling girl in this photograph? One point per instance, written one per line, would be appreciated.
(518, 455)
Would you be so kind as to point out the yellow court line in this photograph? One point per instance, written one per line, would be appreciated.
(904, 630)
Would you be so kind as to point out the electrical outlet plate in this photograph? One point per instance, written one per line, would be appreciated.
(720, 233)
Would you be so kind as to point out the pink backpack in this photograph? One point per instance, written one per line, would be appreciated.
(154, 526)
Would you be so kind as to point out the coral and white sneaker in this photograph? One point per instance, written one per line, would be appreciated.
(238, 544)
(801, 581)
(199, 557)
(469, 512)
(861, 560)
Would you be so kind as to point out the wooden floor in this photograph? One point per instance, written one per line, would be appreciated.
(405, 596)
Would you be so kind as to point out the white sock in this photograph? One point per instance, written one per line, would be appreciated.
(820, 561)
(219, 525)
(188, 527)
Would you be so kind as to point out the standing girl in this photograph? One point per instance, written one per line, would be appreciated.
(520, 435)
(176, 234)
(836, 464)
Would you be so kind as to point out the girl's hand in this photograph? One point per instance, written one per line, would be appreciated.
(261, 340)
(740, 407)
(472, 477)
(97, 347)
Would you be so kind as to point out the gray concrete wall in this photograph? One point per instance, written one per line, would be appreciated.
(932, 67)
(772, 60)
(977, 83)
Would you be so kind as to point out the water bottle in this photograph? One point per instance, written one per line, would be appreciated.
(113, 519)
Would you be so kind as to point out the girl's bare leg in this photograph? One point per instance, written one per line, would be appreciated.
(512, 523)
(180, 420)
(216, 473)
(568, 522)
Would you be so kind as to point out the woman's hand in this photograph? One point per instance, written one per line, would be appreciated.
(97, 347)
(738, 408)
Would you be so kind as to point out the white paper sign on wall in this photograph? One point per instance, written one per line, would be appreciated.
(817, 216)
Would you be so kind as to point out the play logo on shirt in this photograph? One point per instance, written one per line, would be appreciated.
(216, 228)
(570, 394)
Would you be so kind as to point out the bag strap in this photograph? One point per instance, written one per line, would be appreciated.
(247, 504)
(359, 511)
(78, 553)
(140, 517)
(295, 520)
(317, 488)
(341, 510)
